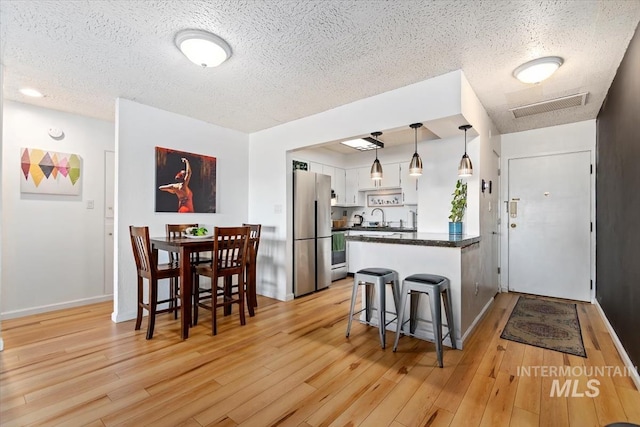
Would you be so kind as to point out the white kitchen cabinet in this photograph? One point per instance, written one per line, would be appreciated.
(390, 178)
(328, 170)
(364, 179)
(351, 187)
(390, 175)
(409, 185)
(316, 167)
(338, 185)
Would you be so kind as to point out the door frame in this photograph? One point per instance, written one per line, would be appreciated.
(504, 198)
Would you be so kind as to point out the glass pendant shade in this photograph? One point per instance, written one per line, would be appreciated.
(465, 168)
(415, 167)
(376, 167)
(376, 170)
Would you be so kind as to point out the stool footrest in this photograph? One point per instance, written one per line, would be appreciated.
(395, 316)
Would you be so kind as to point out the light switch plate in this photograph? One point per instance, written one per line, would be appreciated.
(89, 204)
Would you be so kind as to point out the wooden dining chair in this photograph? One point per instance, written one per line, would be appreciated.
(230, 254)
(175, 231)
(254, 243)
(148, 268)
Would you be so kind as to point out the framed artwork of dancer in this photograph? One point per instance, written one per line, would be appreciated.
(185, 182)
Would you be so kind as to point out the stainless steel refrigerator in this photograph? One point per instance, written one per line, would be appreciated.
(311, 232)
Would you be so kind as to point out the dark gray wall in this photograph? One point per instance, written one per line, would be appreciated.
(618, 202)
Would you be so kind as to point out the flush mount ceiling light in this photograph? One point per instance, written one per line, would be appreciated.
(537, 70)
(27, 91)
(362, 144)
(203, 48)
(465, 168)
(376, 167)
(415, 167)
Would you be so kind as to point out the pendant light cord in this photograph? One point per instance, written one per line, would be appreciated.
(465, 141)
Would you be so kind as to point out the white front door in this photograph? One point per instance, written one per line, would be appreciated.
(549, 225)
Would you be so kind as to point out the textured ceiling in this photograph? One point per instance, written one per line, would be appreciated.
(292, 59)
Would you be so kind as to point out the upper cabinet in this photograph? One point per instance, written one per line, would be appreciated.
(390, 178)
(338, 185)
(352, 197)
(316, 167)
(409, 185)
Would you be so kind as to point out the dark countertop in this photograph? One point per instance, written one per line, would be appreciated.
(383, 229)
(418, 239)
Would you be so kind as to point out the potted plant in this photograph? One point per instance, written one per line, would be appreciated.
(458, 206)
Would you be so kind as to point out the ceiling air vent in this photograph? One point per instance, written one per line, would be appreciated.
(551, 105)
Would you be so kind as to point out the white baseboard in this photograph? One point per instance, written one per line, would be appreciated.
(123, 317)
(53, 307)
(477, 320)
(621, 351)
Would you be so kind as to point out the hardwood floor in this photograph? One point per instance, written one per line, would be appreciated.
(291, 365)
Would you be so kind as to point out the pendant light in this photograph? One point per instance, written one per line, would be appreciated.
(376, 167)
(415, 167)
(465, 168)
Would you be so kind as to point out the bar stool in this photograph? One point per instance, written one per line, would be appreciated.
(434, 286)
(375, 279)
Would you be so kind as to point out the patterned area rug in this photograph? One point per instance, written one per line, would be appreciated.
(547, 324)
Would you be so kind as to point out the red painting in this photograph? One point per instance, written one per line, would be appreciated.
(185, 182)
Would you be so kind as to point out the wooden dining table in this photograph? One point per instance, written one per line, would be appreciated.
(185, 247)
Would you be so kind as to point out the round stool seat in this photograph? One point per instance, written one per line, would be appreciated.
(429, 279)
(376, 271)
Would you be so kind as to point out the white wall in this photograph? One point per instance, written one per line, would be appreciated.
(484, 206)
(52, 245)
(440, 160)
(567, 138)
(270, 174)
(1, 181)
(139, 129)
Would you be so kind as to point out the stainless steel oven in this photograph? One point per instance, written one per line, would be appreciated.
(338, 255)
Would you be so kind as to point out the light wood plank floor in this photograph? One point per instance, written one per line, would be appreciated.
(291, 365)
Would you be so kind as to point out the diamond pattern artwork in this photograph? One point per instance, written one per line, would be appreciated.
(49, 172)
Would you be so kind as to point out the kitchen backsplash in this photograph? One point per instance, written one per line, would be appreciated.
(392, 215)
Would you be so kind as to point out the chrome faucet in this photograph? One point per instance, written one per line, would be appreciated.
(382, 212)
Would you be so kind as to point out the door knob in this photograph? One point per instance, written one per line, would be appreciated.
(513, 226)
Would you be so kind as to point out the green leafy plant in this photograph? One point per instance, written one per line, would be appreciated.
(197, 231)
(459, 202)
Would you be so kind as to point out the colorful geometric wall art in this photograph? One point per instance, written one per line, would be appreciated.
(49, 172)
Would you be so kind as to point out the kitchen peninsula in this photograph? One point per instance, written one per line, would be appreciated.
(456, 258)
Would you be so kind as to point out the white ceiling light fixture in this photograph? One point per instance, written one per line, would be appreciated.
(361, 144)
(203, 48)
(538, 70)
(33, 93)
